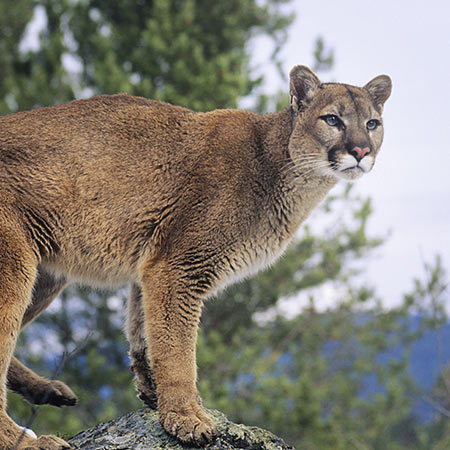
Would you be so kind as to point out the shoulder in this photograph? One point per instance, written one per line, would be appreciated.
(233, 124)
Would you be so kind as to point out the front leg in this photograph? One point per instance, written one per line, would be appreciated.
(172, 302)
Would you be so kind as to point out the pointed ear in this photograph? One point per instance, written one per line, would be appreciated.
(379, 89)
(303, 84)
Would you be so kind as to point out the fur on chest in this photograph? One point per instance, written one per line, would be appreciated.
(246, 258)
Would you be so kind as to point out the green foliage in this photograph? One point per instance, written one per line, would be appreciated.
(192, 53)
(324, 58)
(429, 298)
(32, 78)
(307, 378)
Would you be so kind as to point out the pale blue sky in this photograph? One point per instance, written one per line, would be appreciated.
(410, 184)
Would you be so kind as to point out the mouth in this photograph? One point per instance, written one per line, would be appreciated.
(350, 173)
(347, 167)
(353, 169)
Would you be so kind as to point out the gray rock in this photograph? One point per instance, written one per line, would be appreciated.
(141, 430)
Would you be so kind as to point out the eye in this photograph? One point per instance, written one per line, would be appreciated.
(372, 124)
(332, 120)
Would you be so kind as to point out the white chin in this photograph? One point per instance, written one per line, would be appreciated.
(349, 174)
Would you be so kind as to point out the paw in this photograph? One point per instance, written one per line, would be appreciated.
(59, 394)
(52, 392)
(191, 424)
(149, 399)
(44, 443)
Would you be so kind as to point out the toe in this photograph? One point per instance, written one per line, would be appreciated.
(195, 427)
(61, 394)
(47, 443)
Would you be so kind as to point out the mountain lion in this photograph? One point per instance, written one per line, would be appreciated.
(119, 189)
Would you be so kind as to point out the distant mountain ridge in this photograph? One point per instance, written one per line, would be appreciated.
(426, 363)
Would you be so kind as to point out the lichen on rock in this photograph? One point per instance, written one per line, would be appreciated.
(141, 430)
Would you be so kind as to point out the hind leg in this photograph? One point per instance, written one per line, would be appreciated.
(33, 387)
(18, 270)
(37, 389)
(139, 356)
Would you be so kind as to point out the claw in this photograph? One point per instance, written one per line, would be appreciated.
(195, 427)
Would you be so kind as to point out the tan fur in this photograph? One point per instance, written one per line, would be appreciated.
(119, 189)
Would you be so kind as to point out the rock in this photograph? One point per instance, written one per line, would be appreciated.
(141, 430)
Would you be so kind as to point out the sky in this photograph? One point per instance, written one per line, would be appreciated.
(410, 183)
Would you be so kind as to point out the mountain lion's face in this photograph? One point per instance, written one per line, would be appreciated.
(341, 124)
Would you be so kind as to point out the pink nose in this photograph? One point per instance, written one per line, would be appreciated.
(359, 152)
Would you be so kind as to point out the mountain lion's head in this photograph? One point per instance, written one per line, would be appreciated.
(338, 128)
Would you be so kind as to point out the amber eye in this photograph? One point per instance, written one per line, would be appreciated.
(332, 120)
(372, 124)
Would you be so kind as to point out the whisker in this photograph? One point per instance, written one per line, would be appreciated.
(305, 168)
(306, 164)
(303, 163)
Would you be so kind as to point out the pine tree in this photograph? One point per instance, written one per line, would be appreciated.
(191, 53)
